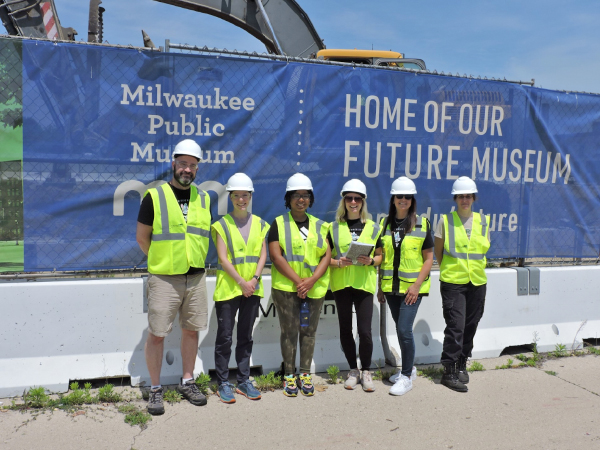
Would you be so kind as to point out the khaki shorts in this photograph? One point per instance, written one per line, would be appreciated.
(170, 294)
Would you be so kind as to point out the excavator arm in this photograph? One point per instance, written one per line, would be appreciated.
(282, 25)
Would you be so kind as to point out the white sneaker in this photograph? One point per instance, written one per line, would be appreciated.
(413, 375)
(366, 380)
(402, 386)
(352, 379)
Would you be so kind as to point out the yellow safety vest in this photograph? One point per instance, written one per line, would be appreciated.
(464, 259)
(357, 277)
(411, 258)
(176, 245)
(244, 256)
(303, 257)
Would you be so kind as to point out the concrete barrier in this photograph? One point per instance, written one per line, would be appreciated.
(56, 331)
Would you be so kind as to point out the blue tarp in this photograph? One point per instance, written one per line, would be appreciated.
(100, 124)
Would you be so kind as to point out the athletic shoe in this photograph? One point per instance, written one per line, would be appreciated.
(290, 389)
(306, 384)
(226, 393)
(155, 402)
(402, 386)
(190, 392)
(353, 379)
(413, 375)
(248, 390)
(367, 381)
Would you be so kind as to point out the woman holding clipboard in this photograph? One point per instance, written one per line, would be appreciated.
(404, 273)
(354, 283)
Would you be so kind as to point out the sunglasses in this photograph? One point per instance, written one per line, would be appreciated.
(406, 196)
(351, 198)
(467, 196)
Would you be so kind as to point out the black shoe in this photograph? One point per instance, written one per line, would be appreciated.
(463, 375)
(155, 402)
(450, 379)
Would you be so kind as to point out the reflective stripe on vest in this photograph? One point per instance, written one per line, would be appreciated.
(291, 257)
(335, 231)
(451, 241)
(241, 259)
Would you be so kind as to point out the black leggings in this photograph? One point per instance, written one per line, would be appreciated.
(363, 305)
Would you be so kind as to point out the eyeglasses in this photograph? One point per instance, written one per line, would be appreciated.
(351, 198)
(240, 197)
(465, 196)
(185, 165)
(406, 196)
(300, 196)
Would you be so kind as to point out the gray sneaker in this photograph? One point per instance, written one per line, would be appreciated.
(353, 379)
(366, 380)
(155, 402)
(190, 391)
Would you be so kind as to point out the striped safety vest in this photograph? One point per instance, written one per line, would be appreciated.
(303, 257)
(176, 245)
(464, 259)
(411, 258)
(357, 277)
(244, 256)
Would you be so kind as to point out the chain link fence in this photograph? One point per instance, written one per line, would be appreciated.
(63, 234)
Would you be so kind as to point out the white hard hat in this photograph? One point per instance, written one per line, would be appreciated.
(403, 185)
(188, 147)
(239, 182)
(298, 182)
(464, 185)
(354, 185)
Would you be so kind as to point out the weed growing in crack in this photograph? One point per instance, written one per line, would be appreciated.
(203, 381)
(135, 416)
(475, 366)
(268, 382)
(334, 373)
(172, 396)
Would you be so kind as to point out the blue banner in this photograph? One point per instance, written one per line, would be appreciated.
(100, 123)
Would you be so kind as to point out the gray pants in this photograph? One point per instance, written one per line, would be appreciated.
(288, 311)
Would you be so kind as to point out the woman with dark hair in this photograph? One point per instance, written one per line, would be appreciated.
(354, 284)
(462, 239)
(404, 273)
(299, 280)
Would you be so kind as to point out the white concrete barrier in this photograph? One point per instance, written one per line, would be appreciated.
(56, 331)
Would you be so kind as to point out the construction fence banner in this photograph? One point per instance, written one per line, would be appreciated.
(86, 130)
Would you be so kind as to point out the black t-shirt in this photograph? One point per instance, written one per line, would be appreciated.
(356, 227)
(397, 227)
(146, 214)
(303, 227)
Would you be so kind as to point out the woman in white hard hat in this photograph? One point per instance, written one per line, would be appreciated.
(404, 273)
(300, 278)
(461, 242)
(240, 241)
(354, 284)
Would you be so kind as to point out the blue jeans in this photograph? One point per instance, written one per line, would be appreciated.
(404, 316)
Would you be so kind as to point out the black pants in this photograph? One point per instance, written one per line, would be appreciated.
(363, 305)
(463, 308)
(247, 307)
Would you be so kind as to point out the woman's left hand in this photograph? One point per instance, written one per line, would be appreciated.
(304, 286)
(366, 260)
(412, 294)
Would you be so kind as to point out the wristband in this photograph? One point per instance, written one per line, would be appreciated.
(372, 262)
(257, 277)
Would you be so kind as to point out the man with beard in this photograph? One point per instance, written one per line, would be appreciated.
(173, 230)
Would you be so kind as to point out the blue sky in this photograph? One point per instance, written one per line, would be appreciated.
(555, 42)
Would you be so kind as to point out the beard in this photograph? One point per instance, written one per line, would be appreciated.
(184, 179)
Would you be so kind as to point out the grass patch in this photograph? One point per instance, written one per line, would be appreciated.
(430, 372)
(172, 396)
(203, 382)
(107, 394)
(560, 351)
(334, 374)
(380, 374)
(135, 416)
(593, 351)
(550, 372)
(268, 382)
(475, 366)
(511, 365)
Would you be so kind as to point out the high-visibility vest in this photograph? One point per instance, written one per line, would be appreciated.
(357, 277)
(176, 245)
(411, 258)
(303, 257)
(244, 256)
(464, 259)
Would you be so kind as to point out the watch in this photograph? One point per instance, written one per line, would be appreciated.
(257, 277)
(372, 262)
